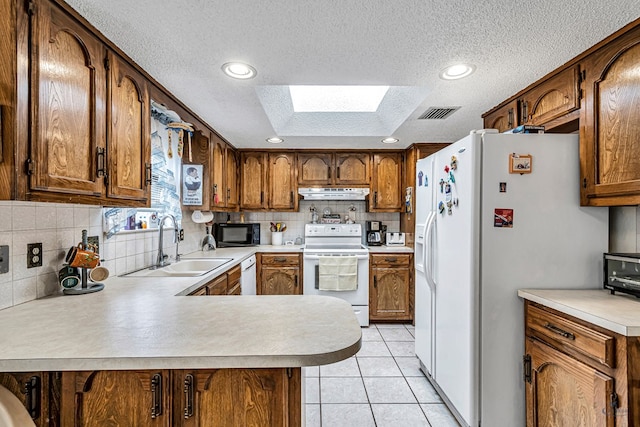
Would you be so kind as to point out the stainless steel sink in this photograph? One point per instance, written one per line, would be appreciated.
(184, 268)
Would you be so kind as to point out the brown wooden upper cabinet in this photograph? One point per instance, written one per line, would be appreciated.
(341, 168)
(68, 89)
(503, 118)
(551, 99)
(283, 194)
(610, 124)
(224, 181)
(253, 178)
(89, 117)
(128, 134)
(386, 184)
(268, 181)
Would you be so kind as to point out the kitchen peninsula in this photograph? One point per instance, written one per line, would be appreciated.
(141, 353)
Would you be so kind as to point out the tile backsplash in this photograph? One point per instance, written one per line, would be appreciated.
(59, 226)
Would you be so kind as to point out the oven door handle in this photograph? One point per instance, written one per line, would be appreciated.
(313, 257)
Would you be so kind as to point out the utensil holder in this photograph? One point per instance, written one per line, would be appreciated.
(276, 238)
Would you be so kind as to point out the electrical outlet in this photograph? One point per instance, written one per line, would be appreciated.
(4, 259)
(93, 240)
(181, 234)
(34, 255)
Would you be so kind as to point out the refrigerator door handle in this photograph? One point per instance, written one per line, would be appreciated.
(428, 250)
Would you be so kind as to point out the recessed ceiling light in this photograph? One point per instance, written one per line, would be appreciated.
(336, 99)
(238, 70)
(275, 140)
(457, 71)
(390, 140)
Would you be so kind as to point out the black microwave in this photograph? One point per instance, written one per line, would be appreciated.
(243, 234)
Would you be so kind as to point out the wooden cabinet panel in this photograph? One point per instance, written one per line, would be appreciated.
(564, 391)
(32, 389)
(391, 287)
(352, 168)
(315, 169)
(233, 281)
(202, 396)
(504, 118)
(552, 98)
(218, 191)
(68, 90)
(279, 259)
(217, 286)
(253, 171)
(610, 124)
(128, 138)
(119, 398)
(280, 281)
(572, 336)
(386, 185)
(282, 185)
(261, 397)
(231, 177)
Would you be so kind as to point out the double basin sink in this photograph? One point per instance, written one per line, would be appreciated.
(183, 268)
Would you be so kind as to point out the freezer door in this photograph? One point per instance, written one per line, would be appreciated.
(424, 302)
(456, 271)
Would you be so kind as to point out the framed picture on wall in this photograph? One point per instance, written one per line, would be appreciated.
(192, 185)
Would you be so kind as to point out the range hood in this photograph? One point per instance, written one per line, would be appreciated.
(333, 193)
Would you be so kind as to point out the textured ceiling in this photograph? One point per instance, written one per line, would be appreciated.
(404, 43)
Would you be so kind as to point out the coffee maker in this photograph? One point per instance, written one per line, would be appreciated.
(376, 233)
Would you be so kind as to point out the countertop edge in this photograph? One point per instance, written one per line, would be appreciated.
(626, 330)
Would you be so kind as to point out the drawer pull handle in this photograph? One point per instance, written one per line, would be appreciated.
(391, 259)
(280, 259)
(156, 396)
(559, 331)
(188, 394)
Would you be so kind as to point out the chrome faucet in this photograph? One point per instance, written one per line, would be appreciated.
(160, 260)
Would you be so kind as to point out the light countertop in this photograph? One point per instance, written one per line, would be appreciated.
(390, 249)
(618, 313)
(145, 323)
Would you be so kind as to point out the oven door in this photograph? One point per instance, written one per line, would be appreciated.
(358, 297)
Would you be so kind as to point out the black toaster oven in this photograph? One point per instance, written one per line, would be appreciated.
(622, 273)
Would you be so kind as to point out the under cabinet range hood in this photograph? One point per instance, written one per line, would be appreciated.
(333, 193)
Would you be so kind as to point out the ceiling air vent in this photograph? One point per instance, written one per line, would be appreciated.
(438, 113)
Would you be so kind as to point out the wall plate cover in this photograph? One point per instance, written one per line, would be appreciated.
(34, 255)
(4, 259)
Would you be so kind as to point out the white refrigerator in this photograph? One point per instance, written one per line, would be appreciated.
(495, 213)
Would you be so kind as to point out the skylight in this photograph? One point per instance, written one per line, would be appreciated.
(337, 99)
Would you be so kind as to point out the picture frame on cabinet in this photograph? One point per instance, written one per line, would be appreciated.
(192, 185)
(520, 163)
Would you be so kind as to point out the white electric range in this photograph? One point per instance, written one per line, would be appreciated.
(344, 240)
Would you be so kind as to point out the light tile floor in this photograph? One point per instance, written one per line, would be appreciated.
(380, 386)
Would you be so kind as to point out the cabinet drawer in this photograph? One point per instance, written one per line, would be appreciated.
(233, 275)
(217, 286)
(199, 292)
(280, 259)
(571, 335)
(391, 259)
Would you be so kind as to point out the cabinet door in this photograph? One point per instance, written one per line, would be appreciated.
(218, 189)
(610, 124)
(504, 118)
(261, 397)
(128, 137)
(565, 392)
(283, 280)
(389, 294)
(315, 169)
(201, 397)
(116, 398)
(32, 389)
(231, 177)
(217, 286)
(387, 183)
(68, 88)
(253, 170)
(352, 169)
(552, 98)
(282, 186)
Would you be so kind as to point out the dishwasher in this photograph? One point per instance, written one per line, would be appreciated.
(248, 276)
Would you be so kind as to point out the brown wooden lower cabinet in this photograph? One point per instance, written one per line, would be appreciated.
(176, 398)
(32, 388)
(225, 284)
(279, 274)
(577, 373)
(390, 287)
